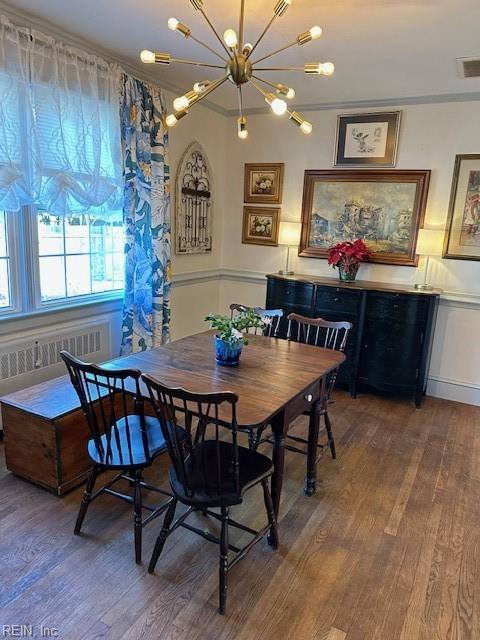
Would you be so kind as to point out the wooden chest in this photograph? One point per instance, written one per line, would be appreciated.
(45, 435)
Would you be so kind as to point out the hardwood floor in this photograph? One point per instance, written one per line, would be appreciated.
(388, 548)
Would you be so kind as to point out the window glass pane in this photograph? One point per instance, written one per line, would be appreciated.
(90, 250)
(4, 288)
(50, 235)
(78, 275)
(3, 235)
(77, 238)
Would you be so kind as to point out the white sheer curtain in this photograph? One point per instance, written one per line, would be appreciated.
(59, 126)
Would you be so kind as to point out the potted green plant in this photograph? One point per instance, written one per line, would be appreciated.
(230, 337)
(347, 257)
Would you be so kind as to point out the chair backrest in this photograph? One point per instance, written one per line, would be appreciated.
(320, 333)
(199, 459)
(271, 318)
(107, 396)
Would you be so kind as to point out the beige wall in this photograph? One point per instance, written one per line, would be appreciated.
(430, 137)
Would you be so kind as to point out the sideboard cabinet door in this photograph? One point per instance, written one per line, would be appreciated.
(292, 297)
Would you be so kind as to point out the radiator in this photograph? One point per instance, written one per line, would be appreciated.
(31, 357)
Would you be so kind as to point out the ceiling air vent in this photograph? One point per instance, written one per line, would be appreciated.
(469, 67)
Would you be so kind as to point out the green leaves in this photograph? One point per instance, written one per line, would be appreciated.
(231, 330)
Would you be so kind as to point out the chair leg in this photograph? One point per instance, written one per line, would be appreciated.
(137, 515)
(163, 535)
(87, 496)
(223, 561)
(272, 536)
(331, 439)
(313, 429)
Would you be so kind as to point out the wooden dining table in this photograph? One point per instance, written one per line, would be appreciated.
(277, 381)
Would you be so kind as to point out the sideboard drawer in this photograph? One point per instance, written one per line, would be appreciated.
(292, 295)
(394, 306)
(336, 299)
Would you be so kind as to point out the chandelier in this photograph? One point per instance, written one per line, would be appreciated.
(239, 68)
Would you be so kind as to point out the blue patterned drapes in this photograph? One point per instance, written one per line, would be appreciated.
(146, 210)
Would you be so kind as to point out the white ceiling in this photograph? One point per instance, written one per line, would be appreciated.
(382, 49)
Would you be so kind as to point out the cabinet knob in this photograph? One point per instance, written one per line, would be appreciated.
(336, 299)
(395, 306)
(309, 397)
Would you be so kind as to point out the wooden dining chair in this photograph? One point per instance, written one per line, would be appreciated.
(328, 335)
(122, 439)
(209, 470)
(271, 317)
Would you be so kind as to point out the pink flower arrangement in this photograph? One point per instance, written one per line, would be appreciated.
(347, 254)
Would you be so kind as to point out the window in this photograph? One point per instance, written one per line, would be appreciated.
(66, 259)
(5, 295)
(79, 255)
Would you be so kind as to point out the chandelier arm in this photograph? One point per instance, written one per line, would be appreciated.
(270, 84)
(198, 64)
(273, 53)
(240, 101)
(272, 20)
(202, 11)
(210, 89)
(259, 89)
(241, 25)
(280, 69)
(203, 44)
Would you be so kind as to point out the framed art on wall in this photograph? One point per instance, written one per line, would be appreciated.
(383, 208)
(264, 183)
(367, 139)
(260, 225)
(462, 236)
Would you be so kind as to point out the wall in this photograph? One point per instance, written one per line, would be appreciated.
(430, 136)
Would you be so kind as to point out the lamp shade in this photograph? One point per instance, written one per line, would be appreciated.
(289, 233)
(430, 242)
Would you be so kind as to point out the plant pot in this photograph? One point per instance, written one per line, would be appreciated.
(348, 273)
(227, 354)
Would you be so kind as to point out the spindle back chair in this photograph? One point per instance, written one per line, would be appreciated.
(271, 317)
(122, 439)
(209, 468)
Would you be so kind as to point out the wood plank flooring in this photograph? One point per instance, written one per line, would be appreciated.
(388, 548)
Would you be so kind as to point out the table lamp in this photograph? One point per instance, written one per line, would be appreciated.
(429, 243)
(289, 236)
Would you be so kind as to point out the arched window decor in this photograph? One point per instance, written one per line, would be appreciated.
(193, 202)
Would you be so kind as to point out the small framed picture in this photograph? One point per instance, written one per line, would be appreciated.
(462, 236)
(367, 139)
(264, 183)
(260, 225)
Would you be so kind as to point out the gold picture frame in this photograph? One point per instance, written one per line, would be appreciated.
(462, 235)
(264, 183)
(261, 225)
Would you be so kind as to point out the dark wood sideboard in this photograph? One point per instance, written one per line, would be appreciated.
(390, 343)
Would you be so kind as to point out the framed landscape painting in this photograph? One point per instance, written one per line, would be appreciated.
(462, 237)
(367, 139)
(260, 225)
(383, 208)
(264, 183)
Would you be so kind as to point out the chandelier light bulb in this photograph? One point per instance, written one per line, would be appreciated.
(247, 47)
(315, 32)
(200, 87)
(242, 128)
(278, 106)
(230, 38)
(148, 57)
(326, 68)
(306, 127)
(180, 103)
(288, 92)
(173, 24)
(171, 120)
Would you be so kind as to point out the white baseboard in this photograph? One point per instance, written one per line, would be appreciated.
(456, 390)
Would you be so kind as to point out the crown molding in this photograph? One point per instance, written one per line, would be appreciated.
(368, 104)
(146, 74)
